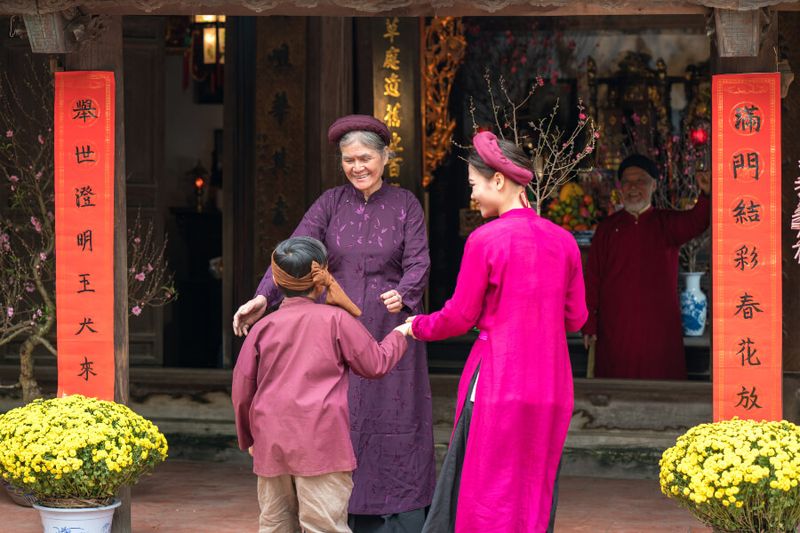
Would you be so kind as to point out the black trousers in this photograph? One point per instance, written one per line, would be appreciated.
(442, 514)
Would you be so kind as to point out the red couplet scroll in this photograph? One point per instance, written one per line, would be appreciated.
(747, 246)
(84, 221)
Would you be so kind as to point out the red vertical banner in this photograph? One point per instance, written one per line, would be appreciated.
(747, 246)
(84, 211)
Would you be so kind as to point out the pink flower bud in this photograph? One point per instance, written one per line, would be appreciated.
(136, 310)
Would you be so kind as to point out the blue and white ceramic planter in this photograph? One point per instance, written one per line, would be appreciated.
(694, 305)
(90, 520)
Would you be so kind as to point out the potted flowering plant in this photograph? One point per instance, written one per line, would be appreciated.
(737, 475)
(72, 454)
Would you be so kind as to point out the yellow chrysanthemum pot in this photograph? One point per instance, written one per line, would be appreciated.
(76, 452)
(737, 475)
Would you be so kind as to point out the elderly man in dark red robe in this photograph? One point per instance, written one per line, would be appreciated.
(632, 279)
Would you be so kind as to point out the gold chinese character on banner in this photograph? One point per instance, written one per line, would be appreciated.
(395, 144)
(394, 167)
(391, 85)
(391, 59)
(392, 116)
(391, 29)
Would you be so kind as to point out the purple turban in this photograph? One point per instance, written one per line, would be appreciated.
(346, 124)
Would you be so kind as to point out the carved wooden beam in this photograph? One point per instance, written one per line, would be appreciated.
(738, 33)
(47, 33)
(389, 7)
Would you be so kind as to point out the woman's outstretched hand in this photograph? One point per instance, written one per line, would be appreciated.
(405, 328)
(248, 314)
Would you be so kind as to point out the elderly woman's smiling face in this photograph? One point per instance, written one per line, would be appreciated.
(363, 166)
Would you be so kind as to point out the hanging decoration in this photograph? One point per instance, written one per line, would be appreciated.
(84, 226)
(205, 57)
(746, 217)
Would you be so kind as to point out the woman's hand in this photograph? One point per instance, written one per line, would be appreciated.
(392, 300)
(248, 314)
(405, 328)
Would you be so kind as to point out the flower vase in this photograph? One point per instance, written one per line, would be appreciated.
(83, 520)
(694, 305)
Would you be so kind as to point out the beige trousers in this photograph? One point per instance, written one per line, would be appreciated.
(316, 504)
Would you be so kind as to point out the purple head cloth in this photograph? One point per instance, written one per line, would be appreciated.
(346, 124)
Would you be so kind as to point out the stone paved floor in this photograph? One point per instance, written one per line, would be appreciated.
(192, 497)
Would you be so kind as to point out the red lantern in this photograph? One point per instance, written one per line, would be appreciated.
(699, 136)
(199, 178)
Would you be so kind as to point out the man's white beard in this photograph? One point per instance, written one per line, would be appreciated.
(637, 207)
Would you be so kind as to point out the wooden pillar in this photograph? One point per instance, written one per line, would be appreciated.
(739, 35)
(766, 61)
(105, 53)
(329, 95)
(238, 175)
(790, 139)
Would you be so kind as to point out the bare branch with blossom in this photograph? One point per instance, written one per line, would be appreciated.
(690, 252)
(27, 225)
(557, 155)
(150, 282)
(27, 232)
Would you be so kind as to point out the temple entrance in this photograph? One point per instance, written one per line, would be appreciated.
(648, 92)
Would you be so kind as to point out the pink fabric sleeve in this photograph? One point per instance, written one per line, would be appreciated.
(575, 312)
(367, 357)
(243, 391)
(462, 310)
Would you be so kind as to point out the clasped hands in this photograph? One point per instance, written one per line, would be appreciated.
(249, 313)
(405, 328)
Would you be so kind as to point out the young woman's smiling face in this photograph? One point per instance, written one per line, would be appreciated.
(485, 193)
